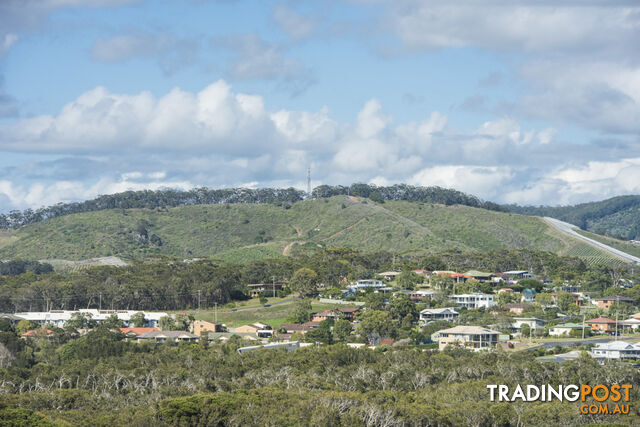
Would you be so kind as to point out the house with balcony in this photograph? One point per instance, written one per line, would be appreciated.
(434, 314)
(473, 301)
(470, 337)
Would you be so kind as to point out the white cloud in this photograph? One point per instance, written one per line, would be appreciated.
(293, 23)
(481, 181)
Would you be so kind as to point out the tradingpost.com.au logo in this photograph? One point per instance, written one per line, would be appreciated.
(617, 394)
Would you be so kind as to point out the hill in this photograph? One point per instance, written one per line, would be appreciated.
(618, 217)
(240, 232)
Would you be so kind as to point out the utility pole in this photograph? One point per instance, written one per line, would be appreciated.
(583, 318)
(273, 281)
(215, 312)
(199, 291)
(309, 182)
(616, 332)
(100, 306)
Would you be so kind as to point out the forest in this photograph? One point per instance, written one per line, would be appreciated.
(205, 196)
(172, 284)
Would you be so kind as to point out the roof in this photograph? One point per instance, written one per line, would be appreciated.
(325, 313)
(300, 326)
(516, 305)
(439, 310)
(528, 291)
(386, 341)
(389, 273)
(617, 345)
(464, 330)
(167, 334)
(348, 309)
(137, 331)
(615, 298)
(568, 325)
(476, 273)
(37, 333)
(601, 320)
(516, 272)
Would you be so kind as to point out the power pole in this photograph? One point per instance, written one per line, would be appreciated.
(273, 281)
(100, 306)
(309, 181)
(583, 318)
(616, 332)
(199, 291)
(215, 312)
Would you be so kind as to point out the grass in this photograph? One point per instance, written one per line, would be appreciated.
(621, 245)
(244, 232)
(274, 315)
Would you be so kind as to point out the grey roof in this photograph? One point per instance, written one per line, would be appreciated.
(167, 334)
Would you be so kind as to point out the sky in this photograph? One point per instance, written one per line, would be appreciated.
(515, 101)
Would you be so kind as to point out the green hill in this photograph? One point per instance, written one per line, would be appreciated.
(618, 217)
(238, 232)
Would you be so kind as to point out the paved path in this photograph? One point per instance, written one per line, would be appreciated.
(569, 229)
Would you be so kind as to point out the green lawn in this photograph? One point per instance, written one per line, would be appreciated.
(274, 315)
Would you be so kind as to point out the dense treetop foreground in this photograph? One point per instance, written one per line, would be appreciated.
(100, 379)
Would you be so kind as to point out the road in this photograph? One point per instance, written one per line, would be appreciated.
(567, 228)
(253, 307)
(570, 343)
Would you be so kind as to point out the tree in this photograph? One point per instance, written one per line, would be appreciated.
(166, 323)
(80, 321)
(544, 300)
(25, 326)
(526, 330)
(342, 329)
(301, 312)
(304, 281)
(409, 279)
(113, 322)
(374, 301)
(137, 320)
(564, 300)
(401, 306)
(376, 323)
(321, 334)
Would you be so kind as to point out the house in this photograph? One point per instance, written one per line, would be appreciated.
(200, 327)
(528, 295)
(349, 313)
(516, 308)
(262, 330)
(607, 302)
(533, 322)
(257, 289)
(423, 273)
(419, 295)
(457, 277)
(303, 328)
(616, 350)
(386, 341)
(471, 301)
(578, 300)
(479, 275)
(60, 317)
(432, 314)
(632, 324)
(38, 333)
(168, 336)
(516, 275)
(472, 337)
(324, 315)
(135, 332)
(601, 324)
(389, 275)
(564, 329)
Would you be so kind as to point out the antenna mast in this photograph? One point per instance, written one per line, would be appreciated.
(309, 181)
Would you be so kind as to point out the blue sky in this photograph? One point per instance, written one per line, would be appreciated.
(515, 101)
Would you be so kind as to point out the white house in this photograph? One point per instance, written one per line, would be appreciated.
(471, 337)
(565, 329)
(432, 314)
(471, 301)
(533, 322)
(617, 350)
(60, 317)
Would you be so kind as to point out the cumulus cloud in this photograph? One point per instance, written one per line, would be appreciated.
(217, 137)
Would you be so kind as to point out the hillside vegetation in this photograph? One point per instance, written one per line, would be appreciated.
(241, 232)
(618, 217)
